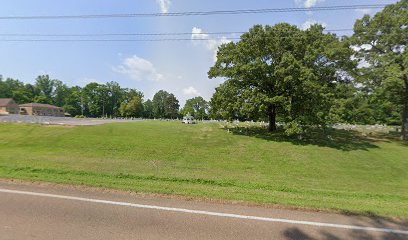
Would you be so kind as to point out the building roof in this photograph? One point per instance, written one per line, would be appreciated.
(39, 105)
(6, 101)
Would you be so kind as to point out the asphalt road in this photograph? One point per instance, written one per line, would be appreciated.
(44, 211)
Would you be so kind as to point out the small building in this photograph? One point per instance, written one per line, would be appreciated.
(8, 106)
(39, 109)
(188, 119)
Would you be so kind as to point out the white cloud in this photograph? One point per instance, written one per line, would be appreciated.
(191, 91)
(211, 44)
(197, 33)
(308, 3)
(306, 25)
(138, 69)
(164, 5)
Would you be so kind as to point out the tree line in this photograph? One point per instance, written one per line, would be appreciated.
(101, 100)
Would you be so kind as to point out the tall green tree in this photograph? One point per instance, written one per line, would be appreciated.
(380, 42)
(148, 109)
(73, 101)
(45, 86)
(115, 97)
(102, 99)
(159, 104)
(171, 106)
(134, 108)
(351, 105)
(165, 105)
(13, 88)
(284, 72)
(197, 107)
(91, 101)
(60, 93)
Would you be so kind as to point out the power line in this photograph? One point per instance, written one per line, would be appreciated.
(141, 40)
(135, 34)
(114, 40)
(198, 13)
(136, 40)
(114, 34)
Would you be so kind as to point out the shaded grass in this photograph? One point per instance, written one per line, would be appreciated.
(345, 172)
(328, 137)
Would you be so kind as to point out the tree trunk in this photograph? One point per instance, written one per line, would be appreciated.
(405, 114)
(272, 118)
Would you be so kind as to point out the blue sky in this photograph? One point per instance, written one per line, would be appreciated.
(178, 67)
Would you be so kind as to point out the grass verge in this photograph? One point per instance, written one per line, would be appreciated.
(345, 172)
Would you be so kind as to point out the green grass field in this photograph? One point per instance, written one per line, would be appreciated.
(343, 172)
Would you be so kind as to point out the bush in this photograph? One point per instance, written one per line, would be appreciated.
(293, 128)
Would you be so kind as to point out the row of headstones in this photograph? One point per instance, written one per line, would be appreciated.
(369, 128)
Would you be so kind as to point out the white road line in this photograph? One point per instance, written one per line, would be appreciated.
(218, 214)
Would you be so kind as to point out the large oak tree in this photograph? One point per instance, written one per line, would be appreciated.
(281, 71)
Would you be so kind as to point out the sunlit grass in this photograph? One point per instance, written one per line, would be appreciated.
(336, 170)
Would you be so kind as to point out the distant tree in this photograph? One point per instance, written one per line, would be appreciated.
(90, 100)
(134, 108)
(73, 102)
(45, 87)
(197, 107)
(284, 72)
(102, 99)
(148, 109)
(41, 99)
(22, 96)
(171, 106)
(129, 94)
(116, 95)
(12, 88)
(159, 104)
(165, 105)
(30, 91)
(381, 43)
(351, 105)
(60, 93)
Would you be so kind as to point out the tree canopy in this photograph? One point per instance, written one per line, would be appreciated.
(165, 105)
(281, 71)
(197, 107)
(133, 108)
(380, 46)
(92, 100)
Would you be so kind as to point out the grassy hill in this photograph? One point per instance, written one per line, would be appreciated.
(344, 172)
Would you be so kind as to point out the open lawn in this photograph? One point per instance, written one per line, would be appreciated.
(344, 171)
